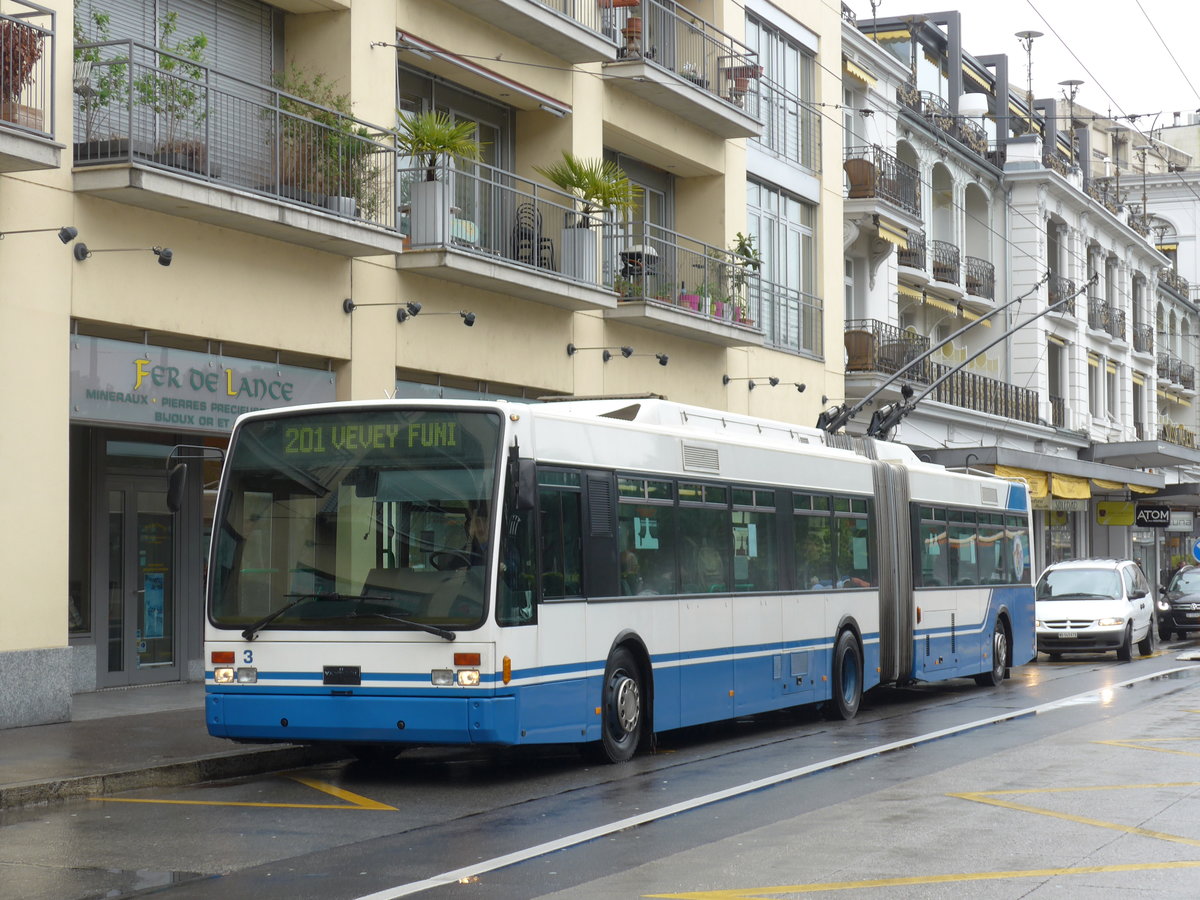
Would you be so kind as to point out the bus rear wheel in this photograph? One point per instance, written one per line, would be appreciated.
(847, 678)
(622, 713)
(999, 659)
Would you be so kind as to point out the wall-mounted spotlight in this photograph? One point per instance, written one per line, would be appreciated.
(411, 308)
(467, 317)
(164, 254)
(800, 386)
(608, 351)
(753, 381)
(66, 234)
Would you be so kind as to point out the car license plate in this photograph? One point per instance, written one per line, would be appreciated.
(1067, 634)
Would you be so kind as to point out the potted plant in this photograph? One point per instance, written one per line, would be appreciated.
(747, 260)
(345, 152)
(174, 90)
(308, 108)
(598, 186)
(20, 50)
(431, 137)
(98, 84)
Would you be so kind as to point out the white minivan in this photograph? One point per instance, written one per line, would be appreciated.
(1094, 605)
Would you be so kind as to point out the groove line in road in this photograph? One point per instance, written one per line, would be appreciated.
(519, 856)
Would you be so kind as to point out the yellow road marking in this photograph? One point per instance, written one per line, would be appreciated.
(354, 801)
(755, 893)
(1141, 743)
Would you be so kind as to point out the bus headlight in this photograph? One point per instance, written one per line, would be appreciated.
(247, 675)
(442, 677)
(223, 676)
(468, 677)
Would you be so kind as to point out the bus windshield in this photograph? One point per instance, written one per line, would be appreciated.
(356, 519)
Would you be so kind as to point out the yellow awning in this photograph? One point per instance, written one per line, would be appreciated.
(1166, 248)
(971, 317)
(911, 293)
(1142, 489)
(1038, 481)
(1138, 379)
(889, 35)
(941, 304)
(1069, 487)
(1110, 368)
(1093, 361)
(977, 78)
(1056, 340)
(893, 234)
(1106, 485)
(860, 73)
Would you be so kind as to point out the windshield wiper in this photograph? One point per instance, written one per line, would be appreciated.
(420, 626)
(252, 631)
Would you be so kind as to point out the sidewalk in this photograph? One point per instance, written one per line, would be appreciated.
(118, 740)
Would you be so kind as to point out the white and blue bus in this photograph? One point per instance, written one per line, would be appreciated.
(393, 573)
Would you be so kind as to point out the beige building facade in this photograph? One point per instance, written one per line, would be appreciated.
(242, 232)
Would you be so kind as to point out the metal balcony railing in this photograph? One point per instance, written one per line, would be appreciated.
(26, 67)
(790, 319)
(907, 94)
(1056, 162)
(1116, 323)
(669, 36)
(873, 172)
(980, 277)
(1059, 289)
(913, 256)
(139, 104)
(1172, 280)
(1098, 314)
(945, 261)
(495, 214)
(875, 346)
(643, 261)
(1103, 192)
(1173, 369)
(791, 126)
(594, 16)
(1143, 338)
(1058, 412)
(937, 111)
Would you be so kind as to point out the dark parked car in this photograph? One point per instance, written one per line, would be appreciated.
(1178, 606)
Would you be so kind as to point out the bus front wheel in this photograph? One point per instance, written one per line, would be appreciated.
(995, 677)
(847, 677)
(621, 722)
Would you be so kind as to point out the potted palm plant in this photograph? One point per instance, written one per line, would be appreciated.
(598, 185)
(430, 138)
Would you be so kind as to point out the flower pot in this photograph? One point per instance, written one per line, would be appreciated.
(342, 205)
(690, 301)
(609, 4)
(429, 212)
(21, 115)
(579, 256)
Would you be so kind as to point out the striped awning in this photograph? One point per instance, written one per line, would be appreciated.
(971, 317)
(941, 304)
(893, 234)
(910, 292)
(855, 71)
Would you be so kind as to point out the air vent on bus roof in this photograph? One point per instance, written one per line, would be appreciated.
(703, 459)
(989, 496)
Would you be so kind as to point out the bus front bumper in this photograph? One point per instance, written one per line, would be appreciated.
(307, 718)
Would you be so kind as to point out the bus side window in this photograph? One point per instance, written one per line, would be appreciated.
(560, 513)
(515, 584)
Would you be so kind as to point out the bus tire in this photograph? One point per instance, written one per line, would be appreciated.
(995, 677)
(622, 713)
(846, 677)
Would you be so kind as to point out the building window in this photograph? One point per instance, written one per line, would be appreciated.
(786, 91)
(784, 230)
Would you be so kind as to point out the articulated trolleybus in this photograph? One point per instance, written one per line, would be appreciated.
(384, 574)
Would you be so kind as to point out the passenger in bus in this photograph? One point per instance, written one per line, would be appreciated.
(631, 577)
(477, 533)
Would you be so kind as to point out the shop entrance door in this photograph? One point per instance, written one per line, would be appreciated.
(142, 643)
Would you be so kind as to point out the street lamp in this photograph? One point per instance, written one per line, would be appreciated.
(1072, 87)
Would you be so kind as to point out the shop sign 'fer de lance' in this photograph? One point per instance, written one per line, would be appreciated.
(182, 390)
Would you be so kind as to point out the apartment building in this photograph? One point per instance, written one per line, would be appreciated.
(992, 271)
(204, 211)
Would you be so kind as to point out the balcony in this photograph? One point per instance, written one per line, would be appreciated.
(981, 277)
(937, 112)
(1061, 290)
(913, 256)
(1098, 314)
(490, 229)
(1174, 371)
(671, 283)
(1143, 338)
(162, 132)
(1058, 411)
(873, 173)
(687, 66)
(874, 346)
(577, 31)
(791, 320)
(1174, 282)
(27, 35)
(791, 126)
(945, 262)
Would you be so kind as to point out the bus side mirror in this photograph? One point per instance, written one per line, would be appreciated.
(521, 477)
(176, 484)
